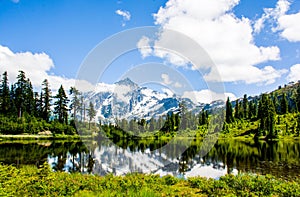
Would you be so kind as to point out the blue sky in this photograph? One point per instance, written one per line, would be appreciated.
(53, 38)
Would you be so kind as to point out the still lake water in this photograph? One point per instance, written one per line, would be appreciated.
(102, 156)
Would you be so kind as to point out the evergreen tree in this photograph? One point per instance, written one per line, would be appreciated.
(46, 99)
(229, 112)
(177, 121)
(40, 106)
(82, 109)
(237, 110)
(203, 118)
(267, 116)
(75, 102)
(245, 107)
(152, 124)
(298, 125)
(276, 103)
(298, 98)
(13, 109)
(142, 125)
(284, 104)
(36, 104)
(91, 113)
(183, 118)
(20, 93)
(252, 109)
(61, 106)
(4, 94)
(29, 98)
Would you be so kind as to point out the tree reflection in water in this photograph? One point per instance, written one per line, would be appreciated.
(102, 156)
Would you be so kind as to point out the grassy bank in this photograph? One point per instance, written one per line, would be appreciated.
(30, 181)
(38, 137)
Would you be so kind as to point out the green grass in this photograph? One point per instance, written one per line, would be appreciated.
(30, 181)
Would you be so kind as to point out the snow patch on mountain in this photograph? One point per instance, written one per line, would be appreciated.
(126, 100)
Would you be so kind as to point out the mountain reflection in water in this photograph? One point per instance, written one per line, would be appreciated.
(103, 156)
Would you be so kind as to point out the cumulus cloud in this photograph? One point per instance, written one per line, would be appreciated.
(294, 74)
(36, 67)
(125, 14)
(226, 38)
(144, 46)
(166, 79)
(286, 24)
(272, 15)
(207, 96)
(289, 24)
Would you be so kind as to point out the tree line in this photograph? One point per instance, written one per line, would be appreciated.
(265, 108)
(19, 102)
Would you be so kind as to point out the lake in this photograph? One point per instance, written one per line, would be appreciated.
(180, 158)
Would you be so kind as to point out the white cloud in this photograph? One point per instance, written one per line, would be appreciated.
(272, 15)
(177, 85)
(166, 79)
(289, 24)
(144, 46)
(207, 96)
(15, 1)
(227, 39)
(294, 74)
(36, 67)
(125, 14)
(249, 74)
(286, 24)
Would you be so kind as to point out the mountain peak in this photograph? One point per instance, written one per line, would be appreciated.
(126, 82)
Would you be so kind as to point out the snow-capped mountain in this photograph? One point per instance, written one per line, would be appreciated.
(126, 100)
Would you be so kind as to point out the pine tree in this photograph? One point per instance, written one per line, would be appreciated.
(267, 116)
(142, 125)
(229, 112)
(152, 124)
(36, 104)
(12, 100)
(298, 125)
(275, 102)
(237, 110)
(91, 113)
(61, 106)
(183, 118)
(284, 104)
(5, 97)
(203, 118)
(245, 107)
(75, 102)
(298, 97)
(29, 98)
(20, 93)
(46, 99)
(252, 110)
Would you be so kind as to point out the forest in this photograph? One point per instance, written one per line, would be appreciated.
(267, 116)
(23, 110)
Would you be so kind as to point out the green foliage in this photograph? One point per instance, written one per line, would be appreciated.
(45, 100)
(91, 113)
(32, 125)
(60, 106)
(246, 185)
(229, 112)
(43, 182)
